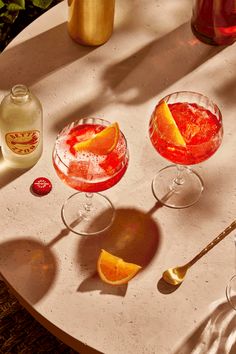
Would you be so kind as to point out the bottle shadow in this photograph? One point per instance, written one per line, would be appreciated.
(29, 64)
(130, 81)
(134, 236)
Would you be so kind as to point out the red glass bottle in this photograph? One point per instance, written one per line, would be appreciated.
(214, 21)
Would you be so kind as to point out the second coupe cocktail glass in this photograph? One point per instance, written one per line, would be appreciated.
(185, 128)
(88, 212)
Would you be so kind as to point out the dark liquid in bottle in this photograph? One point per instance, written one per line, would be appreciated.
(214, 21)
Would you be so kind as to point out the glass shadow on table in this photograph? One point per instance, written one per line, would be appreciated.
(216, 334)
(131, 81)
(28, 266)
(134, 236)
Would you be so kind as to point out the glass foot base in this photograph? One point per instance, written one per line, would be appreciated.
(231, 292)
(177, 193)
(84, 218)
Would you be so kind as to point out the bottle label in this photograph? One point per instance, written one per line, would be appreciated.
(23, 143)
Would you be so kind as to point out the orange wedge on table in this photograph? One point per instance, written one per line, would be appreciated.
(167, 126)
(101, 143)
(113, 270)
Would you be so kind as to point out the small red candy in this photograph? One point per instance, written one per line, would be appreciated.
(41, 186)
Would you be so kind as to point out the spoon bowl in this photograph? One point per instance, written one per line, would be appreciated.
(175, 276)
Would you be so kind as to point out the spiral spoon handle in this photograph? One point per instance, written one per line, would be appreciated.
(213, 243)
(175, 276)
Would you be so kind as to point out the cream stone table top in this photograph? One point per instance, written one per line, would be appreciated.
(53, 272)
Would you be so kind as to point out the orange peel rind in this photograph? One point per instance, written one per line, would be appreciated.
(167, 126)
(114, 270)
(101, 143)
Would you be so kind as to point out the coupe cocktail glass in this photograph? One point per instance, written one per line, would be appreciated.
(199, 122)
(88, 212)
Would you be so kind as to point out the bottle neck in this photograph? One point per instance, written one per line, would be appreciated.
(20, 94)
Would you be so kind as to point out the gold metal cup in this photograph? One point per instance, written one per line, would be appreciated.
(90, 22)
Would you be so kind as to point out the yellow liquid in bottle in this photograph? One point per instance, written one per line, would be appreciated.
(21, 128)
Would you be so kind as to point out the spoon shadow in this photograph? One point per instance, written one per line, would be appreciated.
(166, 288)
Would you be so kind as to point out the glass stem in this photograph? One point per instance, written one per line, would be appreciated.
(89, 202)
(179, 179)
(235, 254)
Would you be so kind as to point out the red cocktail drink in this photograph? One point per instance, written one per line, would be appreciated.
(86, 171)
(185, 128)
(200, 128)
(90, 155)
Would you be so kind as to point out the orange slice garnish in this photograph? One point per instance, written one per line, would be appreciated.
(167, 126)
(113, 270)
(101, 143)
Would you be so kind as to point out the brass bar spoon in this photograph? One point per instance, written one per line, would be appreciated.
(175, 276)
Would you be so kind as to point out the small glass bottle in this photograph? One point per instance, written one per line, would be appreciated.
(21, 125)
(214, 21)
(90, 22)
